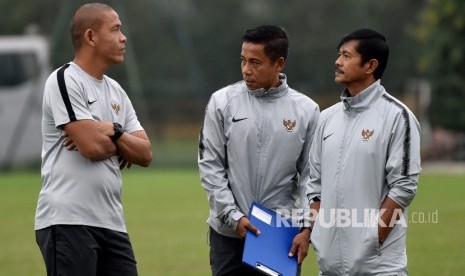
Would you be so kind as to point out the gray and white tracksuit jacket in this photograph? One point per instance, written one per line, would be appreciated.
(254, 146)
(365, 148)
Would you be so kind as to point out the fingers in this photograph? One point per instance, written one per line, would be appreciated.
(66, 142)
(243, 225)
(302, 253)
(299, 247)
(69, 144)
(293, 249)
(253, 229)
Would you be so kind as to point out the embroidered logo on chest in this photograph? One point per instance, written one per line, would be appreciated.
(289, 125)
(366, 134)
(115, 108)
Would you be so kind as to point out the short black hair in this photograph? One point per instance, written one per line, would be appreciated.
(371, 45)
(88, 16)
(275, 39)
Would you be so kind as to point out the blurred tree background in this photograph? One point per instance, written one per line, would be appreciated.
(180, 52)
(442, 36)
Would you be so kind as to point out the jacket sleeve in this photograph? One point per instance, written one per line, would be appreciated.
(302, 163)
(212, 166)
(313, 184)
(403, 160)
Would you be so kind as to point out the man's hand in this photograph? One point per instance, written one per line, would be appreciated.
(243, 225)
(105, 128)
(300, 245)
(68, 143)
(390, 212)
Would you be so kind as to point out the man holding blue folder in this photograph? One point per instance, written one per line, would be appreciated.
(254, 146)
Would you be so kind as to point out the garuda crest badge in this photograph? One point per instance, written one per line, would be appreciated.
(115, 108)
(366, 134)
(289, 125)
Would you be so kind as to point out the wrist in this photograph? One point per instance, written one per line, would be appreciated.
(316, 199)
(119, 131)
(309, 229)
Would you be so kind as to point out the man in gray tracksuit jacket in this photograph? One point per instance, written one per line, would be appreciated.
(364, 167)
(254, 146)
(250, 151)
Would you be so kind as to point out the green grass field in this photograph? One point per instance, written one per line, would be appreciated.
(166, 211)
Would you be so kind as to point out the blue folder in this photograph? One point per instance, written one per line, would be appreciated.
(269, 251)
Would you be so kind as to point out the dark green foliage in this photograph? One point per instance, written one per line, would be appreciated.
(442, 33)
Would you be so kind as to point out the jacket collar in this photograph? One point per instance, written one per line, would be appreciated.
(364, 99)
(273, 92)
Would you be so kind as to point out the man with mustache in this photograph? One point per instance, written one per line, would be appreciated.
(364, 167)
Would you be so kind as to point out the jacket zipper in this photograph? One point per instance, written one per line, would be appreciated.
(347, 121)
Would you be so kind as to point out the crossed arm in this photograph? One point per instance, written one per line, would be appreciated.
(93, 141)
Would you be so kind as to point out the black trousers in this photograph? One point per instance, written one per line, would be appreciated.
(79, 250)
(226, 256)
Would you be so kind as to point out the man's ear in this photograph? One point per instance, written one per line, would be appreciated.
(279, 63)
(89, 37)
(371, 66)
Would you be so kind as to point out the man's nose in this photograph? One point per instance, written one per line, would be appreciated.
(337, 62)
(245, 69)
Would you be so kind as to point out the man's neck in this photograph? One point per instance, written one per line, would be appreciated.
(93, 67)
(357, 87)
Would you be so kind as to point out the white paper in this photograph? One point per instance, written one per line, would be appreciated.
(261, 215)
